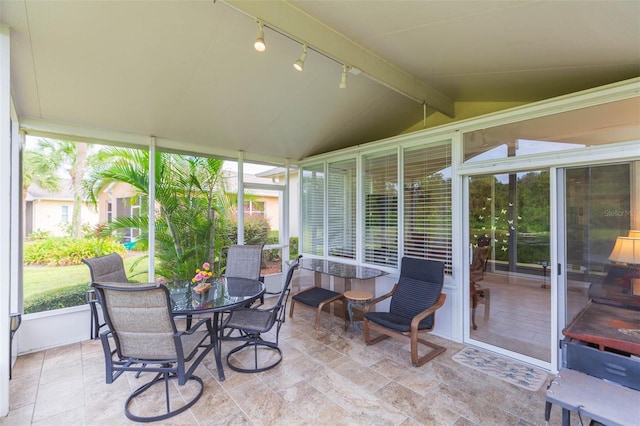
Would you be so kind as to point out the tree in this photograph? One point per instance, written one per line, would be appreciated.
(70, 157)
(192, 205)
(38, 169)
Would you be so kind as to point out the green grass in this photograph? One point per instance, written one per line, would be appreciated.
(40, 279)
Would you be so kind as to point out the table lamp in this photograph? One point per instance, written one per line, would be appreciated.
(627, 250)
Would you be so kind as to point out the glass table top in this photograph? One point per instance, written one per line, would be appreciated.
(342, 270)
(225, 293)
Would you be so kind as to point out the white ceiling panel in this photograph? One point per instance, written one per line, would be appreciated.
(186, 71)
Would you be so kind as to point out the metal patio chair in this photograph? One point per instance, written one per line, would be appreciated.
(108, 268)
(143, 331)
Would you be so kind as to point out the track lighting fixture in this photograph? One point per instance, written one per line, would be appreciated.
(299, 64)
(260, 45)
(343, 82)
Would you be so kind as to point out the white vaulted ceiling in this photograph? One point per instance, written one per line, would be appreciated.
(186, 71)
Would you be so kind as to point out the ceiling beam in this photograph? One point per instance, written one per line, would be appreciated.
(287, 19)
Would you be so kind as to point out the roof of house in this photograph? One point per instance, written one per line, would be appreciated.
(34, 192)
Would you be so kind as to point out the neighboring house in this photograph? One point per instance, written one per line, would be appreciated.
(258, 202)
(276, 176)
(52, 212)
(120, 199)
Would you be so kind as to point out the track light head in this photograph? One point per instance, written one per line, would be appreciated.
(299, 64)
(343, 82)
(260, 45)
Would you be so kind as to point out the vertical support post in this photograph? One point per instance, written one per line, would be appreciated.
(285, 231)
(241, 198)
(151, 213)
(5, 215)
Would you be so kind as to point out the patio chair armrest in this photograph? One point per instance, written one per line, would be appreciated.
(422, 315)
(372, 302)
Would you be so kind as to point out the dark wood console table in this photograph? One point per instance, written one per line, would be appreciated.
(608, 327)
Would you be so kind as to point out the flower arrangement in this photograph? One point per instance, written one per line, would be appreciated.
(201, 277)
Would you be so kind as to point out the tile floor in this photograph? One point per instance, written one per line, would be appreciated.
(326, 377)
(520, 316)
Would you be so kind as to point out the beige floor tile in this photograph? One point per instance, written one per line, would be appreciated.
(325, 377)
(28, 365)
(19, 416)
(23, 391)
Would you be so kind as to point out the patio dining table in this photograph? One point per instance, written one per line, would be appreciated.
(343, 275)
(225, 294)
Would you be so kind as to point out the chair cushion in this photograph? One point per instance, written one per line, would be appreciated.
(414, 296)
(422, 269)
(391, 321)
(315, 296)
(109, 268)
(251, 320)
(192, 342)
(244, 261)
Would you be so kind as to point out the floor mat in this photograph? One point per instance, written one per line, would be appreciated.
(507, 369)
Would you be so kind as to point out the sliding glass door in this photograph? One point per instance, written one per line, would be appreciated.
(598, 209)
(512, 290)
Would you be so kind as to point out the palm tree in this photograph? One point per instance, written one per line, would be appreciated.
(38, 169)
(72, 157)
(191, 205)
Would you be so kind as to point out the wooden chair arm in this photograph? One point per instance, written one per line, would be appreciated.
(372, 302)
(422, 315)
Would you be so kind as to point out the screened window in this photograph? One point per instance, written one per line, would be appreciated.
(130, 207)
(556, 132)
(380, 199)
(341, 204)
(427, 203)
(64, 214)
(313, 203)
(253, 208)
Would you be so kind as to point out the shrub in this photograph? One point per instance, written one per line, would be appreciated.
(272, 255)
(293, 247)
(256, 230)
(39, 235)
(56, 299)
(65, 251)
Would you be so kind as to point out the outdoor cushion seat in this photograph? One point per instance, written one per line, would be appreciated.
(414, 299)
(317, 298)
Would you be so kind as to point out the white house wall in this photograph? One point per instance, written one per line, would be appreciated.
(47, 216)
(449, 323)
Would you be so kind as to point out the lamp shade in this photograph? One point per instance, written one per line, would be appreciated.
(299, 64)
(626, 250)
(634, 233)
(260, 45)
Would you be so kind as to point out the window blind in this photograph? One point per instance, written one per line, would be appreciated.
(312, 208)
(341, 205)
(380, 199)
(427, 203)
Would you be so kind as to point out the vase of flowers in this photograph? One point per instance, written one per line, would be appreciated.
(202, 277)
